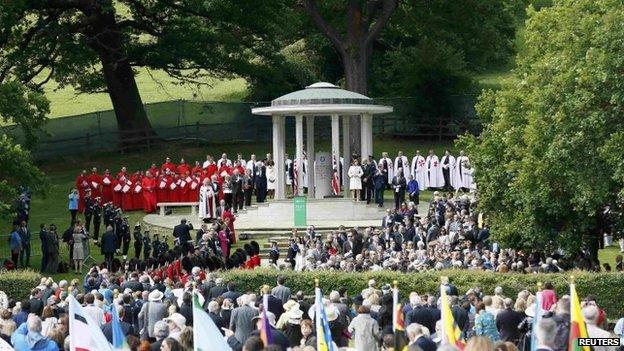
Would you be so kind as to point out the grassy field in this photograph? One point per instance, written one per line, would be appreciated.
(154, 86)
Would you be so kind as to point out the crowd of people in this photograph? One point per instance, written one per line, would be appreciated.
(157, 314)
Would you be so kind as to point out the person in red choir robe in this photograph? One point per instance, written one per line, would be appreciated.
(224, 170)
(168, 165)
(183, 187)
(239, 167)
(82, 184)
(195, 184)
(228, 219)
(107, 186)
(173, 189)
(148, 183)
(127, 187)
(197, 169)
(121, 179)
(154, 171)
(137, 191)
(95, 181)
(183, 167)
(161, 189)
(211, 167)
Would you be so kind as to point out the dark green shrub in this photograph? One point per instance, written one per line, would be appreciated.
(17, 284)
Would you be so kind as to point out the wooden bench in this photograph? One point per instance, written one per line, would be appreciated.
(164, 205)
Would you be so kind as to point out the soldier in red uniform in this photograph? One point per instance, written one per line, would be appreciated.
(168, 165)
(107, 186)
(82, 184)
(183, 168)
(95, 181)
(149, 192)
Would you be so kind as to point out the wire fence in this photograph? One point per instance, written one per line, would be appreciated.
(214, 122)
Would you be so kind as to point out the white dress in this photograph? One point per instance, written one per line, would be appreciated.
(270, 174)
(355, 177)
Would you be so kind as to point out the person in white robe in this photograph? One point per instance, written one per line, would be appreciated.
(225, 160)
(402, 162)
(386, 167)
(271, 179)
(463, 172)
(448, 170)
(433, 173)
(305, 171)
(207, 202)
(355, 180)
(288, 171)
(418, 169)
(300, 256)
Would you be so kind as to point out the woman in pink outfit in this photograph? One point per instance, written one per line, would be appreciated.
(549, 297)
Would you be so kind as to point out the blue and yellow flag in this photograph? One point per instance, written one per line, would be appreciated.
(323, 334)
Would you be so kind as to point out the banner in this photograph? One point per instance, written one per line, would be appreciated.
(300, 205)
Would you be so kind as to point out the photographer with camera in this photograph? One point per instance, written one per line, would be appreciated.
(182, 235)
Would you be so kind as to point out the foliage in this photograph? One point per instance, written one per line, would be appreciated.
(17, 284)
(606, 287)
(18, 170)
(23, 107)
(543, 160)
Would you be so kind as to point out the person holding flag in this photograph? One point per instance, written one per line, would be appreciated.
(206, 335)
(84, 333)
(398, 322)
(451, 334)
(323, 334)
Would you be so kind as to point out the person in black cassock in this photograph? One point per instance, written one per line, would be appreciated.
(261, 182)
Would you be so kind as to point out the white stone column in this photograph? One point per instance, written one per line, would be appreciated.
(366, 130)
(335, 131)
(311, 156)
(346, 151)
(278, 156)
(299, 152)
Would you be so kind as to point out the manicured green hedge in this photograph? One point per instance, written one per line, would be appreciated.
(17, 284)
(608, 287)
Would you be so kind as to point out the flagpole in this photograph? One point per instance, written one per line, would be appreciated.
(395, 302)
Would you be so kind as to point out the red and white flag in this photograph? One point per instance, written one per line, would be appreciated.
(335, 183)
(295, 180)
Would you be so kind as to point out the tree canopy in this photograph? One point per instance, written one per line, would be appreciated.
(550, 157)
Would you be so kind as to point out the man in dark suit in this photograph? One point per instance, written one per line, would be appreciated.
(507, 322)
(24, 233)
(43, 236)
(261, 182)
(417, 337)
(237, 191)
(419, 314)
(182, 233)
(213, 313)
(231, 292)
(241, 320)
(217, 290)
(108, 245)
(379, 183)
(281, 291)
(399, 184)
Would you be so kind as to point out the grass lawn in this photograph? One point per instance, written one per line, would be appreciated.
(62, 173)
(154, 86)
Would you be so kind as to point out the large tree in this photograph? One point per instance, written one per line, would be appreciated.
(95, 45)
(353, 37)
(549, 160)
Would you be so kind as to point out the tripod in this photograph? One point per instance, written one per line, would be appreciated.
(87, 252)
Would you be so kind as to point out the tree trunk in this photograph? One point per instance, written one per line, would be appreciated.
(356, 79)
(104, 38)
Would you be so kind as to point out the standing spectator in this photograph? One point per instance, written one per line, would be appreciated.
(43, 236)
(50, 322)
(281, 291)
(417, 337)
(591, 314)
(507, 321)
(108, 245)
(78, 249)
(241, 322)
(28, 337)
(549, 297)
(24, 234)
(151, 312)
(161, 332)
(308, 338)
(379, 182)
(15, 243)
(73, 203)
(399, 184)
(412, 190)
(52, 247)
(355, 180)
(480, 343)
(485, 324)
(545, 334)
(95, 312)
(366, 330)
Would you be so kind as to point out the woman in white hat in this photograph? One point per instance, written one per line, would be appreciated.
(151, 312)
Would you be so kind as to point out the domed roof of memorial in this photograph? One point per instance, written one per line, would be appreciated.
(322, 93)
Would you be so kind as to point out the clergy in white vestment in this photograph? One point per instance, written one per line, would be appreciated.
(448, 170)
(418, 169)
(241, 160)
(225, 160)
(208, 162)
(403, 163)
(386, 167)
(463, 172)
(433, 173)
(288, 170)
(207, 201)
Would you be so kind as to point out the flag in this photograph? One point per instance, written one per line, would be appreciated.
(335, 183)
(536, 318)
(578, 329)
(84, 333)
(119, 339)
(450, 331)
(295, 180)
(265, 330)
(398, 324)
(323, 334)
(206, 334)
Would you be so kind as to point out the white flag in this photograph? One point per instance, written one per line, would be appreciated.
(84, 333)
(206, 335)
